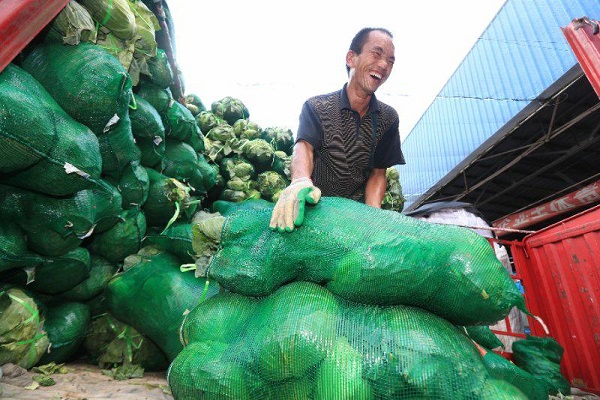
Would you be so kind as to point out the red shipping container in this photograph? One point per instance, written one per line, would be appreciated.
(560, 271)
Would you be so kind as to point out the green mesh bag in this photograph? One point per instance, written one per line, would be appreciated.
(122, 239)
(85, 80)
(153, 151)
(177, 240)
(179, 122)
(55, 275)
(118, 148)
(133, 184)
(500, 368)
(483, 336)
(167, 197)
(370, 256)
(183, 163)
(42, 147)
(22, 338)
(541, 356)
(13, 248)
(22, 117)
(146, 122)
(111, 343)
(57, 225)
(101, 271)
(152, 295)
(158, 97)
(496, 389)
(66, 325)
(305, 342)
(159, 70)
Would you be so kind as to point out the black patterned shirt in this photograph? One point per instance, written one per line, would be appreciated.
(344, 150)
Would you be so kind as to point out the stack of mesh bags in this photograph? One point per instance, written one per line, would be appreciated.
(358, 303)
(74, 191)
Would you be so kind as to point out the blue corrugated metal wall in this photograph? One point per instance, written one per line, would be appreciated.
(521, 53)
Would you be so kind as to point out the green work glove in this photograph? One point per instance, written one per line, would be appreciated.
(289, 209)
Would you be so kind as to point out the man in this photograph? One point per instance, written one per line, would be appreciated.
(346, 139)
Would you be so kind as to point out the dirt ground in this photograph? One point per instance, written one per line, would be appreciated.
(85, 381)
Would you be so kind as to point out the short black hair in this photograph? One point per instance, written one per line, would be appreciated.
(361, 37)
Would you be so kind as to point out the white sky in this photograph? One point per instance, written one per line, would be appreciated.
(273, 55)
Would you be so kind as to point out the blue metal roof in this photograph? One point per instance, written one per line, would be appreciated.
(521, 53)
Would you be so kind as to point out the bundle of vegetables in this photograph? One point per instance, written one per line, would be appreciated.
(230, 109)
(22, 338)
(393, 198)
(72, 25)
(304, 342)
(116, 15)
(112, 343)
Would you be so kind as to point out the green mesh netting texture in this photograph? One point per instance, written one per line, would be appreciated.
(166, 198)
(370, 256)
(85, 80)
(146, 122)
(55, 226)
(13, 248)
(303, 342)
(42, 147)
(177, 240)
(55, 274)
(500, 368)
(66, 324)
(483, 336)
(183, 163)
(123, 238)
(118, 148)
(152, 295)
(541, 356)
(101, 271)
(133, 184)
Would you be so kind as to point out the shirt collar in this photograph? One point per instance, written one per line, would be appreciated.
(345, 103)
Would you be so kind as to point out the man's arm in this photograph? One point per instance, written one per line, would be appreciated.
(302, 160)
(375, 188)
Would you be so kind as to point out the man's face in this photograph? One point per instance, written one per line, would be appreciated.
(371, 68)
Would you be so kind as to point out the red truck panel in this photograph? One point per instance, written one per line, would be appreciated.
(560, 270)
(583, 35)
(21, 21)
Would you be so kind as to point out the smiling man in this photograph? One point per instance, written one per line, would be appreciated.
(346, 139)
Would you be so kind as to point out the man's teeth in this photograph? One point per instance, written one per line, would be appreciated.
(376, 76)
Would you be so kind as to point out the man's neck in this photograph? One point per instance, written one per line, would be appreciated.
(359, 100)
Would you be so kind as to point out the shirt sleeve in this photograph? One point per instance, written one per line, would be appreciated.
(388, 152)
(310, 128)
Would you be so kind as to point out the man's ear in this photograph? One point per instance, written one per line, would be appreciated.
(350, 56)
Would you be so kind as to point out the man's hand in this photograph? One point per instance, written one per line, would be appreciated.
(289, 210)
